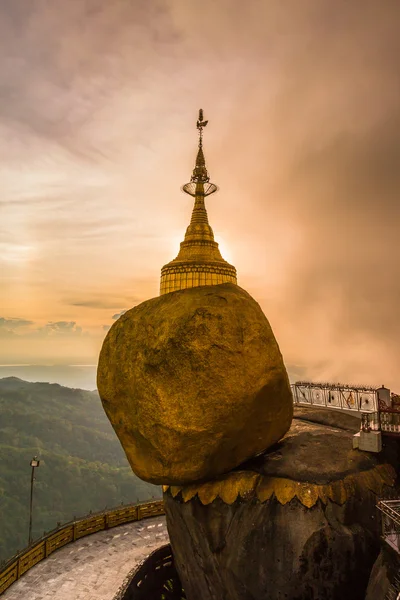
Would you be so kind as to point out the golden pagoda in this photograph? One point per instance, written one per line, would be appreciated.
(199, 261)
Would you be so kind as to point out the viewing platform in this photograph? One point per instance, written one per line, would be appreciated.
(378, 407)
(88, 559)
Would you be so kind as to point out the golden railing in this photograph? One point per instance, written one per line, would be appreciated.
(72, 531)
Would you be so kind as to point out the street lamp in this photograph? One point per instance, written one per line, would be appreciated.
(34, 463)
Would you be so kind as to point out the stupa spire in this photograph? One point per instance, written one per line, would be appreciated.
(199, 261)
(200, 174)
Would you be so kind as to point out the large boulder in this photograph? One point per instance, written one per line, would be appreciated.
(194, 384)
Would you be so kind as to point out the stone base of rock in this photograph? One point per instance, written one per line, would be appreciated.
(297, 523)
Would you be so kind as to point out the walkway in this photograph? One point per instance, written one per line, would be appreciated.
(92, 568)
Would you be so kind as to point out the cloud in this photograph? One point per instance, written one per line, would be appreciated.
(7, 333)
(14, 323)
(56, 342)
(23, 328)
(94, 303)
(70, 61)
(118, 315)
(60, 328)
(103, 300)
(11, 328)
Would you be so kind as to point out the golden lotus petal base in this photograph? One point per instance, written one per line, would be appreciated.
(247, 485)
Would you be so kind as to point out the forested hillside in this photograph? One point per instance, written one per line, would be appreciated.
(82, 465)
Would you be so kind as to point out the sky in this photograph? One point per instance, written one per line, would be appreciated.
(98, 105)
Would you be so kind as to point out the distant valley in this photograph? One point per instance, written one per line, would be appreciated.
(82, 468)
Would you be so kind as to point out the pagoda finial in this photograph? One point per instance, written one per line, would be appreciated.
(200, 174)
(200, 124)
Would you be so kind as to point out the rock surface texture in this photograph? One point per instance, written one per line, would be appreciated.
(298, 523)
(384, 581)
(194, 384)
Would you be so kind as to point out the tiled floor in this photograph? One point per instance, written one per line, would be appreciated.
(92, 568)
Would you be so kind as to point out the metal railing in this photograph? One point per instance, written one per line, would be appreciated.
(339, 397)
(393, 592)
(72, 531)
(390, 421)
(390, 510)
(351, 399)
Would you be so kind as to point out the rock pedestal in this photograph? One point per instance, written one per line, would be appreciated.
(298, 523)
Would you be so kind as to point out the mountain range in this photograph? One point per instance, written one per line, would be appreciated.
(82, 468)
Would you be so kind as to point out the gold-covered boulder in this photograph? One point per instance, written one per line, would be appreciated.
(194, 384)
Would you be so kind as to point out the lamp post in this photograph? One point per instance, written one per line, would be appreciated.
(34, 463)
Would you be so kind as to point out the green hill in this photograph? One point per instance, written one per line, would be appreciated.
(83, 467)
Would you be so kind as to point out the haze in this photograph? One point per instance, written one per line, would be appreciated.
(98, 106)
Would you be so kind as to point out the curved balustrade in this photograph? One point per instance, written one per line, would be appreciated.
(74, 530)
(155, 578)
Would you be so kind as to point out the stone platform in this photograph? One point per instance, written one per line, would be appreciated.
(92, 568)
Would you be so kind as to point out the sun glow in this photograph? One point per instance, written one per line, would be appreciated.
(174, 245)
(15, 253)
(225, 249)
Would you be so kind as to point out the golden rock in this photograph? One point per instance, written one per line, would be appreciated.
(194, 384)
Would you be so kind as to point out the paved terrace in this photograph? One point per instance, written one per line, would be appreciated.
(94, 567)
